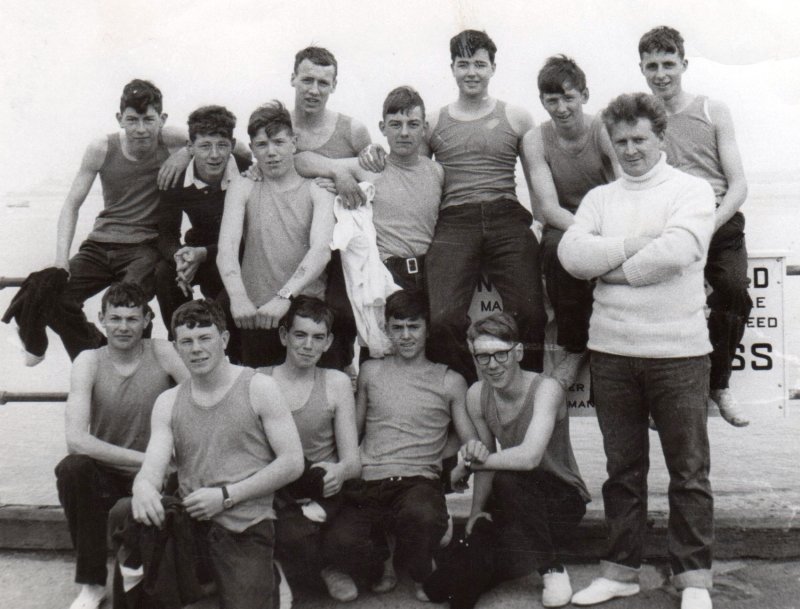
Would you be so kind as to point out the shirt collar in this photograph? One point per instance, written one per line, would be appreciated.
(231, 170)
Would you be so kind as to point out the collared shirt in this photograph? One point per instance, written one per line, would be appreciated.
(231, 172)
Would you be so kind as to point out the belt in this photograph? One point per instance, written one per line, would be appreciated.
(410, 266)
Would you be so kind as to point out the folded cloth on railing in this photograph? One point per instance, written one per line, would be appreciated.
(33, 304)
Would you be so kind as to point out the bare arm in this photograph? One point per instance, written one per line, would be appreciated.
(522, 123)
(544, 197)
(77, 417)
(276, 418)
(549, 400)
(456, 388)
(483, 479)
(362, 396)
(359, 135)
(731, 162)
(608, 151)
(340, 394)
(93, 158)
(170, 361)
(146, 504)
(230, 237)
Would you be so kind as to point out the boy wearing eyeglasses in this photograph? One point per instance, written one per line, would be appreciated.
(537, 493)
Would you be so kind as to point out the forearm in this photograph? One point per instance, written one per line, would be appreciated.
(481, 491)
(587, 256)
(730, 203)
(311, 266)
(517, 458)
(313, 165)
(557, 217)
(230, 272)
(67, 221)
(108, 454)
(283, 470)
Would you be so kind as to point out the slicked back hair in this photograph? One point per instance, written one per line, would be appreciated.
(204, 312)
(138, 94)
(402, 99)
(318, 56)
(469, 42)
(211, 120)
(407, 304)
(664, 39)
(272, 117)
(559, 71)
(630, 107)
(309, 307)
(499, 324)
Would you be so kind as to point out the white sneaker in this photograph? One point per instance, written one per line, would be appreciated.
(285, 597)
(90, 597)
(695, 598)
(729, 408)
(603, 589)
(557, 589)
(341, 586)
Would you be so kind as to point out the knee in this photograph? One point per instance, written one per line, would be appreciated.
(164, 274)
(74, 467)
(423, 515)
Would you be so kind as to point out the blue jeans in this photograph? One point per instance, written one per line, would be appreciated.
(675, 392)
(493, 237)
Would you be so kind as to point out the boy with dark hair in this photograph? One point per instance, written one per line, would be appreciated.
(701, 140)
(122, 244)
(404, 407)
(408, 191)
(481, 225)
(235, 444)
(567, 156)
(200, 194)
(285, 223)
(538, 495)
(112, 392)
(644, 238)
(321, 401)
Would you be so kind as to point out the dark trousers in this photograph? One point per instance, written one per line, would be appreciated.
(95, 267)
(674, 392)
(341, 352)
(730, 302)
(87, 492)
(412, 508)
(261, 348)
(170, 297)
(399, 270)
(571, 298)
(302, 545)
(494, 237)
(534, 511)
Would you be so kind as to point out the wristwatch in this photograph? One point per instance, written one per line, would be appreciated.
(227, 502)
(284, 293)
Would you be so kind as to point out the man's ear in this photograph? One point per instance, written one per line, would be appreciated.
(226, 336)
(519, 351)
(328, 341)
(382, 127)
(585, 95)
(283, 335)
(164, 116)
(119, 119)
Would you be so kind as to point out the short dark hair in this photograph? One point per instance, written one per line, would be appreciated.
(662, 38)
(124, 294)
(630, 107)
(498, 324)
(558, 71)
(407, 304)
(272, 117)
(469, 42)
(138, 94)
(309, 307)
(211, 120)
(203, 312)
(318, 56)
(402, 99)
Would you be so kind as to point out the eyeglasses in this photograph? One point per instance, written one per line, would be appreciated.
(501, 357)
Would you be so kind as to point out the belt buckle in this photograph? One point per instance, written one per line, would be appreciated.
(411, 266)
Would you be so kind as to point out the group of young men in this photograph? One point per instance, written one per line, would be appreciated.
(639, 206)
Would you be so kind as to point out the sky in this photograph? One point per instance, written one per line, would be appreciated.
(63, 65)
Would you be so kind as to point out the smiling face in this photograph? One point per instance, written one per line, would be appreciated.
(404, 131)
(211, 154)
(202, 348)
(305, 341)
(636, 145)
(407, 336)
(141, 129)
(663, 71)
(124, 326)
(274, 154)
(498, 360)
(566, 108)
(313, 84)
(473, 73)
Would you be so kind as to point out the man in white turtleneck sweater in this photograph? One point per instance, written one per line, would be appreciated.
(644, 238)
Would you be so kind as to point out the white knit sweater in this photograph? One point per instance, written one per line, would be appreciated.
(660, 314)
